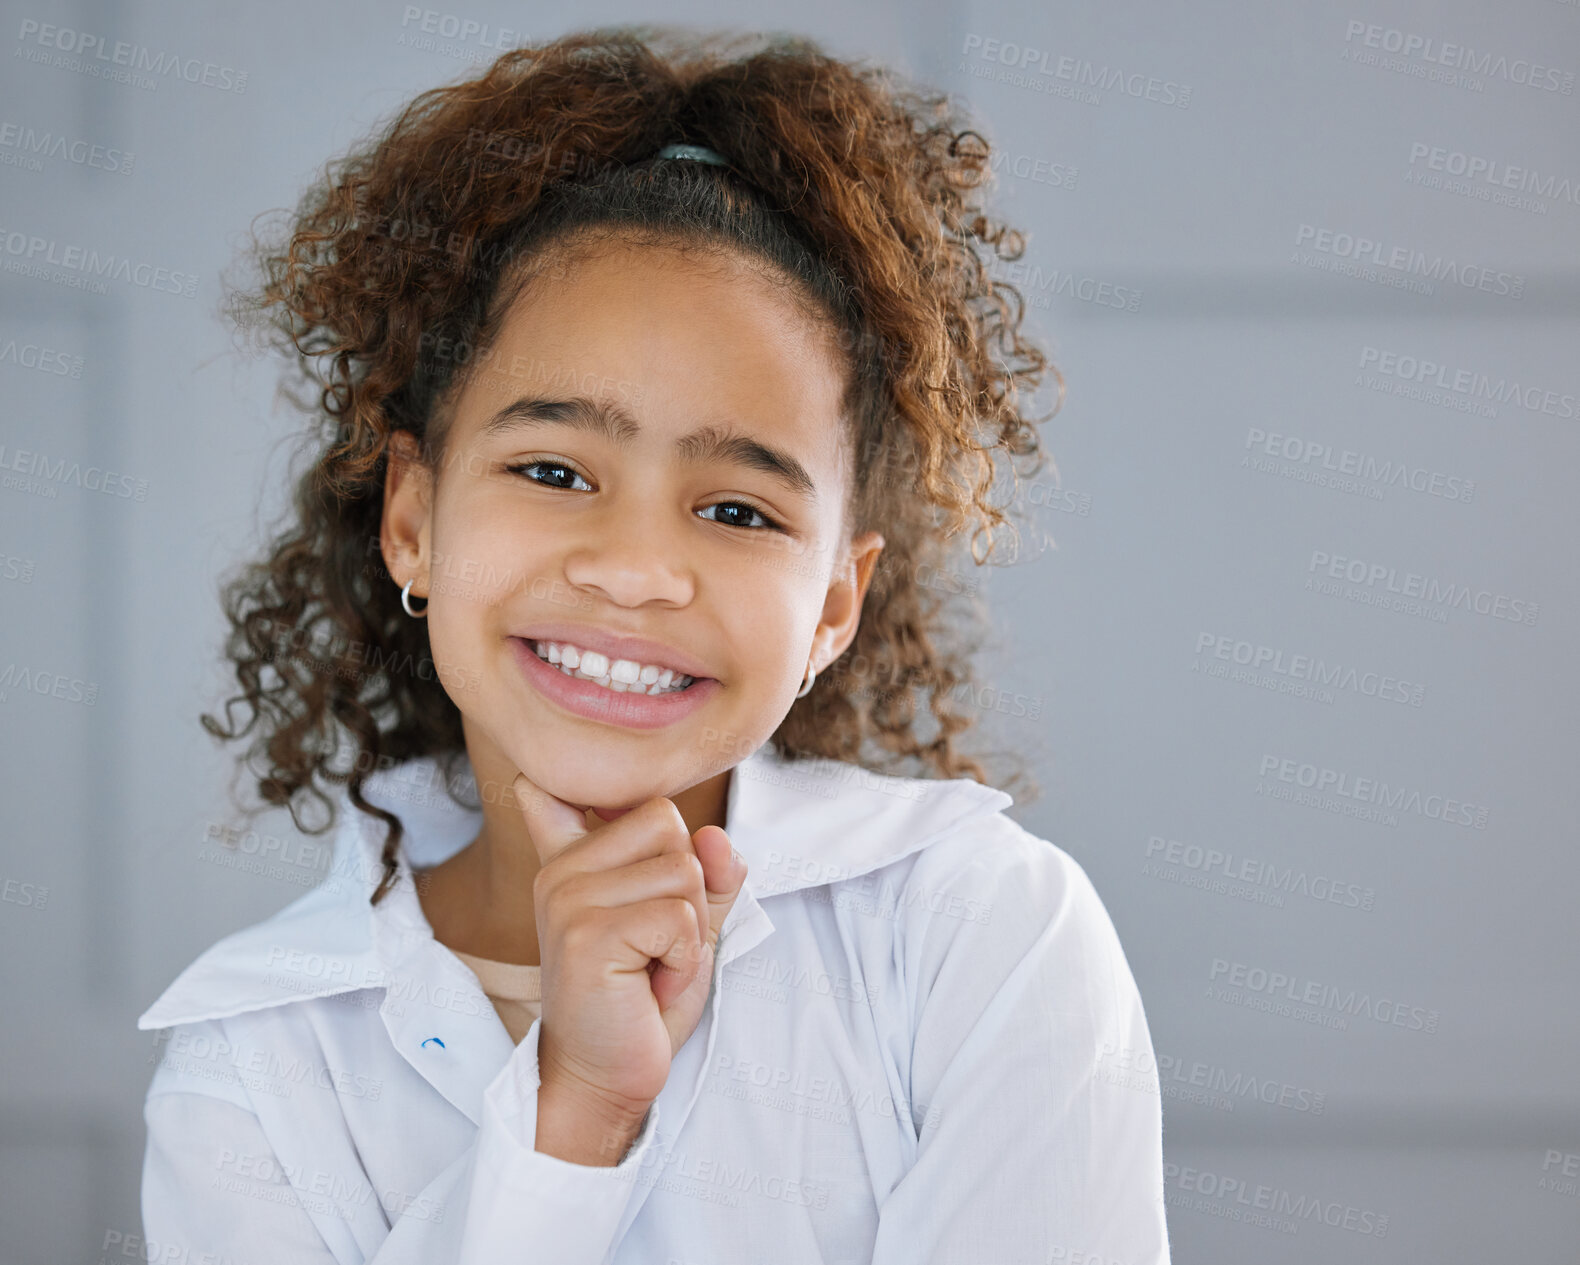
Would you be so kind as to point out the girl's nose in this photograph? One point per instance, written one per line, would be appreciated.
(632, 563)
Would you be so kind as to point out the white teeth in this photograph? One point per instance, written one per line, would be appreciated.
(622, 676)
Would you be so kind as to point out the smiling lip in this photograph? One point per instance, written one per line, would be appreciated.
(595, 702)
(616, 646)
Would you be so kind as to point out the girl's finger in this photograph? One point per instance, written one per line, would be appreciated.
(724, 871)
(647, 879)
(552, 824)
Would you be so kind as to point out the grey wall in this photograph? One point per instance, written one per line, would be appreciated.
(1191, 264)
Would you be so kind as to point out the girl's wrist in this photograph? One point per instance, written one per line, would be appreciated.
(583, 1128)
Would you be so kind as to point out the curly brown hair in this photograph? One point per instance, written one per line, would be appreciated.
(399, 264)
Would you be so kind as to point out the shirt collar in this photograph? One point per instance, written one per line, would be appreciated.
(798, 823)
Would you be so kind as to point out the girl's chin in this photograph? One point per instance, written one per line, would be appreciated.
(608, 801)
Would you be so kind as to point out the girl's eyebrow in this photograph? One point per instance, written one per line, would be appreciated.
(611, 421)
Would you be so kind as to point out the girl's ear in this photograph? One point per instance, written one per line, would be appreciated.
(405, 529)
(847, 589)
(864, 552)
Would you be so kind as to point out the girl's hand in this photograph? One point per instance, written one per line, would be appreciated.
(628, 915)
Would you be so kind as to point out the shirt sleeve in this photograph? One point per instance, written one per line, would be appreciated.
(217, 1186)
(1035, 1142)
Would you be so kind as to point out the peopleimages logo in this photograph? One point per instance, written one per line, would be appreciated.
(1269, 1206)
(100, 58)
(1361, 465)
(1260, 983)
(1175, 1074)
(1223, 869)
(1424, 372)
(1041, 285)
(1370, 790)
(35, 465)
(1413, 47)
(452, 26)
(1147, 1071)
(28, 144)
(32, 254)
(1407, 261)
(1031, 167)
(1498, 178)
(50, 360)
(1412, 584)
(280, 1072)
(1305, 668)
(1028, 66)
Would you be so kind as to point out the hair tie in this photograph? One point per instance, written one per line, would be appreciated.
(699, 152)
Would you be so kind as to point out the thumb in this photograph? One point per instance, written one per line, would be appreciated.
(724, 873)
(552, 824)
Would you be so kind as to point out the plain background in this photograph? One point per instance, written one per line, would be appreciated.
(1172, 539)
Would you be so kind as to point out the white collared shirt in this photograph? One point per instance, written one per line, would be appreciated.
(922, 1045)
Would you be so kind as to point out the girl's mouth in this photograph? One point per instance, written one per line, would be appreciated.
(605, 697)
(622, 676)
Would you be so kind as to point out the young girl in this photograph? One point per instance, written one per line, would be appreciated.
(655, 389)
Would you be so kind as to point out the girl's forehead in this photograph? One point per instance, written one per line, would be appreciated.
(585, 273)
(721, 276)
(650, 336)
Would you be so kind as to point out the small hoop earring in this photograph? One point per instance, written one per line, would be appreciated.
(806, 683)
(405, 601)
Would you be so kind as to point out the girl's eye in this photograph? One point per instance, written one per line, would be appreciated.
(741, 512)
(557, 466)
(767, 522)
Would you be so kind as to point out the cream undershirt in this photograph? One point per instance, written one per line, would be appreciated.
(516, 991)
